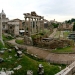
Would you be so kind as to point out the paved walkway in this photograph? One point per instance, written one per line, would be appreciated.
(42, 53)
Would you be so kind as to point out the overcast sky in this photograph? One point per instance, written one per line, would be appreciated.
(60, 10)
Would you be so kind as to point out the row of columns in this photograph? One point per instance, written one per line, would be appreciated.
(33, 25)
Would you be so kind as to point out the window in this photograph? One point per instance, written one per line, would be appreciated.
(3, 26)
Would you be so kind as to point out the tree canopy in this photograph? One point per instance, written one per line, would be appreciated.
(55, 25)
(70, 21)
(74, 27)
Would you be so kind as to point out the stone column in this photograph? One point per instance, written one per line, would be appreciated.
(42, 24)
(38, 25)
(35, 25)
(25, 27)
(32, 25)
(1, 29)
(29, 28)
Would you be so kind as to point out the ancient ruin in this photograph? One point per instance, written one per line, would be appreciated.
(33, 23)
(1, 27)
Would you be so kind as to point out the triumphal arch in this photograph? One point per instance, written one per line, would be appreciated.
(33, 23)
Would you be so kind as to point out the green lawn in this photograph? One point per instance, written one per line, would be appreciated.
(1, 45)
(64, 50)
(27, 64)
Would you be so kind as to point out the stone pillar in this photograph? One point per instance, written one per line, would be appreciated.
(1, 29)
(29, 27)
(35, 25)
(32, 25)
(38, 25)
(43, 24)
(25, 27)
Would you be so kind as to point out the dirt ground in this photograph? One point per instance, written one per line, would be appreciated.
(43, 53)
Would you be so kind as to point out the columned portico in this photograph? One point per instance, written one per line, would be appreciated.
(35, 23)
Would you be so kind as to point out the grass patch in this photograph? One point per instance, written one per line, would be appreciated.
(66, 33)
(64, 50)
(19, 41)
(1, 45)
(7, 37)
(27, 63)
(57, 35)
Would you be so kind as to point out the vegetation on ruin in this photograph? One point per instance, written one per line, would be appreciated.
(19, 41)
(41, 34)
(7, 37)
(66, 33)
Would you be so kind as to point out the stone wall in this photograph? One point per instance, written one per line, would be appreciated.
(54, 43)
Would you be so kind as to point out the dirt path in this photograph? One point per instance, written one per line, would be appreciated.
(42, 53)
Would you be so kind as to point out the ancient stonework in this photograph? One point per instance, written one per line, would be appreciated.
(28, 40)
(33, 23)
(54, 43)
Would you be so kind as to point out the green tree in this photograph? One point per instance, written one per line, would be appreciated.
(74, 27)
(55, 25)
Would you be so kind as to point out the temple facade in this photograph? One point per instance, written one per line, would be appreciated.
(33, 23)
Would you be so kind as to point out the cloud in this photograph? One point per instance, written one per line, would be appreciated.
(50, 9)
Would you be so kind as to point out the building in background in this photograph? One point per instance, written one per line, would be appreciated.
(4, 22)
(13, 27)
(65, 27)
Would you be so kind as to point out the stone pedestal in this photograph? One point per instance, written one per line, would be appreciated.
(28, 40)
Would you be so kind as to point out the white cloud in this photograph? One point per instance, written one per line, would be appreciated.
(50, 9)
